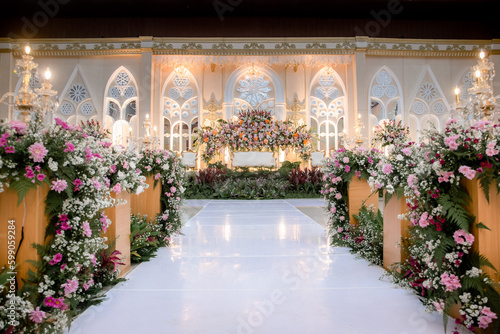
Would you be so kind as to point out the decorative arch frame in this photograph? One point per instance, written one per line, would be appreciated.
(279, 91)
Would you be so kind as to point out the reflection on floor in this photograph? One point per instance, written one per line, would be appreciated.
(259, 267)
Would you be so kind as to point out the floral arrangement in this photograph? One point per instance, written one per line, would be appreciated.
(442, 265)
(81, 171)
(341, 167)
(165, 167)
(146, 236)
(254, 130)
(70, 163)
(367, 237)
(391, 132)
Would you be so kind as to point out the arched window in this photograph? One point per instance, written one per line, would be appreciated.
(327, 108)
(180, 108)
(121, 103)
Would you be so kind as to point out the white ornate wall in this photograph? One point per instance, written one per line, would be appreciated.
(182, 83)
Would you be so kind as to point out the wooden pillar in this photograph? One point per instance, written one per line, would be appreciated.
(394, 230)
(119, 230)
(148, 202)
(359, 193)
(32, 211)
(486, 242)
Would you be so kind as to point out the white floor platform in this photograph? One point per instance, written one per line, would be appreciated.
(256, 267)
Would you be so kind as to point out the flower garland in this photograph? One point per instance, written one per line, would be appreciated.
(341, 167)
(70, 162)
(81, 171)
(165, 167)
(254, 130)
(442, 265)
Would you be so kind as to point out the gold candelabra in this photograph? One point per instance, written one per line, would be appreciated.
(482, 102)
(42, 100)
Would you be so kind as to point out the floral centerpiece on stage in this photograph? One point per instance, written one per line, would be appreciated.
(254, 130)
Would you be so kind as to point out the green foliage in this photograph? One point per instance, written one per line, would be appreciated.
(454, 210)
(22, 186)
(145, 238)
(367, 238)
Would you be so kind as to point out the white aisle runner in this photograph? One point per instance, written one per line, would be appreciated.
(257, 267)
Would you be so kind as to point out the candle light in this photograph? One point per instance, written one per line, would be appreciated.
(457, 95)
(147, 116)
(482, 54)
(27, 49)
(154, 130)
(47, 74)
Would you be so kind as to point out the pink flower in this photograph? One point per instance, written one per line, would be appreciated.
(451, 282)
(451, 142)
(342, 218)
(406, 151)
(62, 123)
(467, 172)
(37, 315)
(40, 177)
(29, 173)
(87, 231)
(491, 152)
(347, 168)
(340, 229)
(93, 260)
(70, 286)
(10, 149)
(486, 317)
(345, 160)
(76, 184)
(333, 209)
(173, 189)
(59, 185)
(164, 217)
(88, 284)
(424, 222)
(18, 126)
(37, 152)
(63, 266)
(378, 185)
(387, 169)
(117, 188)
(56, 259)
(97, 185)
(49, 301)
(461, 237)
(358, 174)
(338, 195)
(70, 147)
(439, 306)
(157, 176)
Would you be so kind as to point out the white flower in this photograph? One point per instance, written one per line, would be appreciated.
(474, 272)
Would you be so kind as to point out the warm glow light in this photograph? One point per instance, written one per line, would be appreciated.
(478, 73)
(359, 116)
(457, 91)
(482, 54)
(27, 49)
(147, 116)
(47, 74)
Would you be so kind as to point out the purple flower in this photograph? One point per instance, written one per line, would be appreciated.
(76, 184)
(37, 152)
(59, 185)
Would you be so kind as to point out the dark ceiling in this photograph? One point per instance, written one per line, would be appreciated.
(463, 19)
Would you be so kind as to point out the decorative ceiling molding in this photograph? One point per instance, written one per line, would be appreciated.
(262, 60)
(238, 47)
